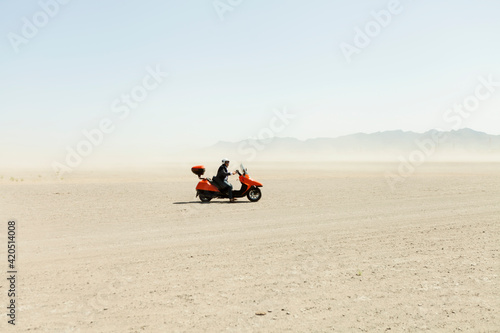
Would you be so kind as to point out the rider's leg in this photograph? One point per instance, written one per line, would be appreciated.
(229, 190)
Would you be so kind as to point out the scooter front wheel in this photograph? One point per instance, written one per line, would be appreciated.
(254, 194)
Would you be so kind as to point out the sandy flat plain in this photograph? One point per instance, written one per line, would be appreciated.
(329, 248)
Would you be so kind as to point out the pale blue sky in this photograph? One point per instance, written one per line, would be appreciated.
(226, 77)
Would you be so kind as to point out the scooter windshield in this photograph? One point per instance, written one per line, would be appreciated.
(243, 169)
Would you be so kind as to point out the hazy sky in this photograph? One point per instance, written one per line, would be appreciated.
(229, 69)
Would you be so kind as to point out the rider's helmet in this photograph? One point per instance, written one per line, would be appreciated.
(224, 160)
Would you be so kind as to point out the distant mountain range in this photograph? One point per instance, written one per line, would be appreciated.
(463, 144)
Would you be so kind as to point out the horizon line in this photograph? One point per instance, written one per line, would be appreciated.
(356, 133)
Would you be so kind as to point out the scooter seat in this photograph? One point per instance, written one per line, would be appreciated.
(221, 186)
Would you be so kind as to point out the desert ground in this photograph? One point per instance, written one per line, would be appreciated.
(330, 247)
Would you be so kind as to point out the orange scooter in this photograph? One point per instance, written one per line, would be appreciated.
(208, 189)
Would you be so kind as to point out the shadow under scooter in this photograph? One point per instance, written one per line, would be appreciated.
(213, 202)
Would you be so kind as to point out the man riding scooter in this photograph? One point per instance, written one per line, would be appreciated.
(218, 187)
(221, 179)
